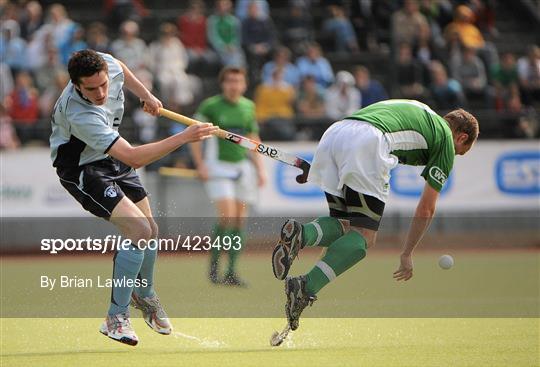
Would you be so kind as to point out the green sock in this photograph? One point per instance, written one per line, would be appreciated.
(234, 251)
(340, 256)
(214, 252)
(322, 231)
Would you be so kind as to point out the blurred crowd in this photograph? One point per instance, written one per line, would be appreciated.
(438, 51)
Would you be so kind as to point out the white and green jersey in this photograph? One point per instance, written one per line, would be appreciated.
(417, 136)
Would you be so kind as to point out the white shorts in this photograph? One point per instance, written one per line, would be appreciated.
(228, 180)
(356, 154)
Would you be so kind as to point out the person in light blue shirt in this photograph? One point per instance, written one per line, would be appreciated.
(12, 47)
(316, 65)
(371, 90)
(340, 29)
(281, 60)
(97, 167)
(241, 10)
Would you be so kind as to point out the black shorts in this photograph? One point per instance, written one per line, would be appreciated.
(99, 186)
(361, 210)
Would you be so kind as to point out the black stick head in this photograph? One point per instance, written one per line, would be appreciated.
(304, 166)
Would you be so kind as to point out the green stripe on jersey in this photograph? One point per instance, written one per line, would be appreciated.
(417, 136)
(237, 118)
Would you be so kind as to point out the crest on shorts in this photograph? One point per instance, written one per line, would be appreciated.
(110, 192)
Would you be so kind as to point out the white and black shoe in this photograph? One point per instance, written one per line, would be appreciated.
(287, 248)
(153, 313)
(297, 299)
(118, 327)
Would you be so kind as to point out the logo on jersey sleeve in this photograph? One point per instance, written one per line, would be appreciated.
(406, 181)
(437, 175)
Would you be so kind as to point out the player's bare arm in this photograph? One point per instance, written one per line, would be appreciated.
(142, 155)
(425, 210)
(134, 85)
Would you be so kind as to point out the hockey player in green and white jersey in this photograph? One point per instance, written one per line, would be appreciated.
(352, 165)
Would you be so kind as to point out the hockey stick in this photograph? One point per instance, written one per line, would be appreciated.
(250, 144)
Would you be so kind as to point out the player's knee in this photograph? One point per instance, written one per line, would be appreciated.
(154, 228)
(140, 229)
(368, 235)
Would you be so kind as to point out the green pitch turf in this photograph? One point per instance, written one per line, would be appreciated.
(244, 342)
(393, 324)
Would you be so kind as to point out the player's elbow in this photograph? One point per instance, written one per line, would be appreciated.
(136, 164)
(133, 159)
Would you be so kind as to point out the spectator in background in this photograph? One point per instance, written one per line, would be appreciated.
(58, 24)
(118, 11)
(192, 27)
(129, 48)
(298, 28)
(145, 122)
(463, 26)
(44, 76)
(407, 22)
(274, 108)
(409, 74)
(438, 14)
(31, 20)
(528, 68)
(37, 51)
(310, 102)
(50, 95)
(8, 136)
(74, 42)
(242, 8)
(6, 78)
(447, 93)
(258, 39)
(484, 16)
(342, 98)
(506, 81)
(469, 35)
(470, 72)
(12, 47)
(340, 30)
(425, 50)
(224, 34)
(96, 37)
(315, 64)
(281, 60)
(364, 23)
(371, 90)
(24, 107)
(168, 62)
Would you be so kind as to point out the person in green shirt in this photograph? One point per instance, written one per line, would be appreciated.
(506, 81)
(352, 165)
(230, 172)
(224, 34)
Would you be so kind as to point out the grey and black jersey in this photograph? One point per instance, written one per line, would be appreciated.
(81, 131)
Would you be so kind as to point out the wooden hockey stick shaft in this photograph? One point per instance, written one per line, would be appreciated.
(247, 143)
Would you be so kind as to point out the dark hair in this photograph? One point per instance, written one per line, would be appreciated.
(461, 121)
(231, 70)
(85, 63)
